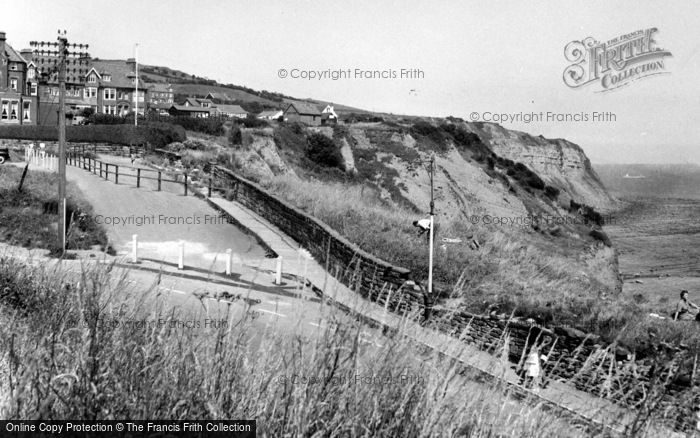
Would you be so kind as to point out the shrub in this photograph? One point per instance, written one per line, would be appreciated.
(534, 181)
(551, 192)
(211, 126)
(234, 137)
(322, 150)
(155, 134)
(252, 122)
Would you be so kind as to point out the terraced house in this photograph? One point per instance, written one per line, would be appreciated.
(110, 87)
(17, 106)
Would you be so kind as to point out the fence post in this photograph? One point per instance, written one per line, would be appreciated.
(181, 259)
(100, 169)
(209, 189)
(134, 248)
(138, 178)
(159, 180)
(107, 171)
(116, 174)
(278, 271)
(185, 174)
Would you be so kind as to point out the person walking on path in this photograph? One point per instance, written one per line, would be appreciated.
(683, 308)
(533, 369)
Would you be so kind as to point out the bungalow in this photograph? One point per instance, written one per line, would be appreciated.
(194, 101)
(270, 115)
(229, 111)
(190, 111)
(304, 113)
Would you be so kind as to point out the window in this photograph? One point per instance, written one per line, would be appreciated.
(26, 112)
(5, 110)
(123, 95)
(31, 73)
(13, 83)
(33, 89)
(109, 109)
(90, 92)
(92, 78)
(110, 94)
(13, 110)
(107, 78)
(13, 66)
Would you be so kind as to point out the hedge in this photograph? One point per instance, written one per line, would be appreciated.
(153, 134)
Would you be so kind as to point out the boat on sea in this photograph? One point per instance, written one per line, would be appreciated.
(628, 176)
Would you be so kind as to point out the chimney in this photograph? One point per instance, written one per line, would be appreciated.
(27, 54)
(2, 43)
(131, 63)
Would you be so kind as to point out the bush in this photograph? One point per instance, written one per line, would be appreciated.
(211, 126)
(322, 150)
(551, 192)
(234, 137)
(155, 134)
(252, 122)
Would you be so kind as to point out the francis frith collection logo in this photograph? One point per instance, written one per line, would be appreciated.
(614, 63)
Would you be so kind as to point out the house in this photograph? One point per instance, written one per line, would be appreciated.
(195, 101)
(189, 111)
(328, 116)
(110, 87)
(17, 106)
(270, 115)
(159, 94)
(304, 113)
(221, 98)
(229, 111)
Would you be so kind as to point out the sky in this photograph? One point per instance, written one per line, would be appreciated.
(471, 59)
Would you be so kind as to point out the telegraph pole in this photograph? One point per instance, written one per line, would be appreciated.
(431, 171)
(136, 97)
(62, 49)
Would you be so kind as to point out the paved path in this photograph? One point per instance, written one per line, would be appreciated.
(161, 220)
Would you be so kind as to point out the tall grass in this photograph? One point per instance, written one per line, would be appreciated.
(63, 360)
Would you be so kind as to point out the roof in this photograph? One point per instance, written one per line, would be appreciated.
(120, 71)
(160, 87)
(192, 109)
(305, 108)
(219, 96)
(12, 54)
(230, 109)
(192, 101)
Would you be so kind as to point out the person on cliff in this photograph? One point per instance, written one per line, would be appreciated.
(683, 308)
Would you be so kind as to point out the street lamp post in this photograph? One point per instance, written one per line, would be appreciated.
(432, 226)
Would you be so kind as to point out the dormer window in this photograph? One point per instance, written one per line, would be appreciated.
(107, 78)
(31, 73)
(92, 78)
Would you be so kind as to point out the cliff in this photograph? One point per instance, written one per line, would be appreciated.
(559, 162)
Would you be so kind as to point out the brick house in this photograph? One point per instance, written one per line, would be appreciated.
(110, 87)
(17, 106)
(304, 113)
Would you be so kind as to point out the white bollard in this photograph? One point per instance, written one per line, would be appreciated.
(134, 248)
(278, 271)
(181, 261)
(229, 261)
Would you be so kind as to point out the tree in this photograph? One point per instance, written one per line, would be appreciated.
(322, 150)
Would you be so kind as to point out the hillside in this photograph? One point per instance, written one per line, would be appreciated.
(194, 86)
(515, 239)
